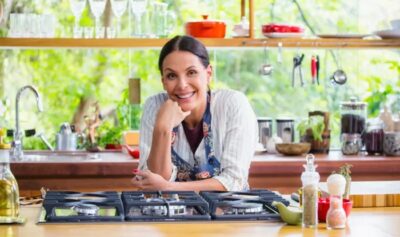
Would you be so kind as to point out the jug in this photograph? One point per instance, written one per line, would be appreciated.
(162, 21)
(66, 139)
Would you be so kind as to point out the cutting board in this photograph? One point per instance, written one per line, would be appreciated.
(373, 193)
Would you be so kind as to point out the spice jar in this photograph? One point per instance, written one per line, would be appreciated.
(310, 179)
(351, 143)
(336, 216)
(374, 137)
(353, 116)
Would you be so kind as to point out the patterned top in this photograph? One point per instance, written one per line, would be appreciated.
(234, 127)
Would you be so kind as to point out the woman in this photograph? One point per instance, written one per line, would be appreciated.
(192, 134)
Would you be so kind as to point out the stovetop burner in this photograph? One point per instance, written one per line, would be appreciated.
(86, 209)
(159, 206)
(166, 206)
(82, 207)
(248, 205)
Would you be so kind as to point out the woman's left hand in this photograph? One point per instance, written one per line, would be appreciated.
(147, 180)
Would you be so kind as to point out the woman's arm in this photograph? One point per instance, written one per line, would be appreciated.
(168, 116)
(147, 180)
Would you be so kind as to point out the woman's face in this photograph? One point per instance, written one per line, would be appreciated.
(185, 79)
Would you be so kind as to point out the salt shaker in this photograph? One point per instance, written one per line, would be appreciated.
(336, 216)
(310, 179)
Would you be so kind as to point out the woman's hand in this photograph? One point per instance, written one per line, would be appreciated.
(147, 180)
(170, 115)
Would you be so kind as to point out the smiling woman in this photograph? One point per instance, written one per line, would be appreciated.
(193, 138)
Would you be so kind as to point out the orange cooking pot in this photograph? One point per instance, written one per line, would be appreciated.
(206, 28)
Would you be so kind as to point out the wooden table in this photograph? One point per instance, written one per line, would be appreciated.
(274, 172)
(380, 222)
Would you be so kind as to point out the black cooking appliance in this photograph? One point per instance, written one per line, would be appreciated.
(139, 206)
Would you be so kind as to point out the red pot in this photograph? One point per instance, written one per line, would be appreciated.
(206, 28)
(323, 207)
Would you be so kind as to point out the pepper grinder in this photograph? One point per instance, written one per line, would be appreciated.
(336, 216)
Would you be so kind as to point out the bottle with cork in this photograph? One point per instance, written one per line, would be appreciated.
(310, 180)
(336, 216)
(9, 193)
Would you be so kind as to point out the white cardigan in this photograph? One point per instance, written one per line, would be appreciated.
(235, 135)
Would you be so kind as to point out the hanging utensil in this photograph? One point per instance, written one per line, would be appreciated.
(313, 69)
(280, 45)
(339, 77)
(297, 60)
(266, 68)
(318, 67)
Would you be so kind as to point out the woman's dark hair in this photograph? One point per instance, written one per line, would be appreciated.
(184, 43)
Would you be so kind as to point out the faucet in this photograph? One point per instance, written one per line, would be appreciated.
(16, 152)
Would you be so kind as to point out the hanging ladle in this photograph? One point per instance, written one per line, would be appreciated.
(266, 68)
(339, 77)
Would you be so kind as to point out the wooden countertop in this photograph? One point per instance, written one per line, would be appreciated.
(268, 171)
(380, 222)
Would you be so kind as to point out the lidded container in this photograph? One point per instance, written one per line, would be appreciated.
(374, 136)
(264, 130)
(310, 180)
(353, 116)
(285, 129)
(9, 192)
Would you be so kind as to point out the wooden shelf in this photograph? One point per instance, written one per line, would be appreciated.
(215, 43)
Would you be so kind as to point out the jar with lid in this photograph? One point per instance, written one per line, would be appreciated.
(285, 129)
(264, 130)
(374, 137)
(353, 116)
(9, 193)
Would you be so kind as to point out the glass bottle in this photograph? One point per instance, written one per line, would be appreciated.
(374, 137)
(336, 216)
(9, 193)
(310, 179)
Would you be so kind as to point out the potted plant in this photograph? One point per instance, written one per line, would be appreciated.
(315, 130)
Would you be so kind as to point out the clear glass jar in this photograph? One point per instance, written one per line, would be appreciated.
(9, 193)
(264, 130)
(374, 136)
(353, 116)
(351, 143)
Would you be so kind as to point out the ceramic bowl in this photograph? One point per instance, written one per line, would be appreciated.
(293, 149)
(391, 143)
(323, 207)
